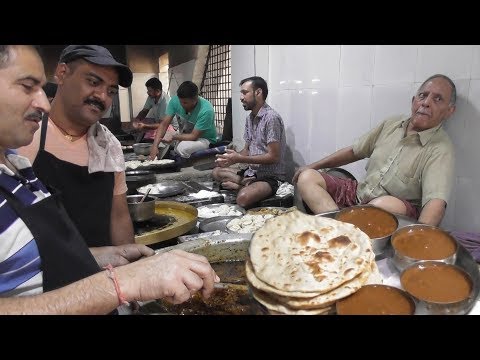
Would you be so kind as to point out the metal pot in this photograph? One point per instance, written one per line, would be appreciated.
(141, 211)
(138, 178)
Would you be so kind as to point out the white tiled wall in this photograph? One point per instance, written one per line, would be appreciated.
(330, 95)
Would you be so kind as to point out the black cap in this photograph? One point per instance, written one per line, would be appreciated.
(97, 55)
(50, 89)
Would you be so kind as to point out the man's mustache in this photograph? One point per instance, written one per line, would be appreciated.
(96, 103)
(35, 115)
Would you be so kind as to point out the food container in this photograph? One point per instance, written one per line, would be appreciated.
(419, 242)
(216, 223)
(142, 148)
(438, 288)
(216, 210)
(377, 300)
(272, 210)
(141, 211)
(377, 223)
(138, 178)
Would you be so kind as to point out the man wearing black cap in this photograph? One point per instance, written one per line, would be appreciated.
(77, 155)
(50, 89)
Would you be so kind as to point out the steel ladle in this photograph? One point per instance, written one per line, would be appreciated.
(144, 196)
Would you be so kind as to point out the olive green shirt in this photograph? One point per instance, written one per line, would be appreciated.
(418, 167)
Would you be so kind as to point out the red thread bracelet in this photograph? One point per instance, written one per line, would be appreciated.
(111, 275)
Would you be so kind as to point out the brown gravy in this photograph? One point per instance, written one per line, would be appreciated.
(228, 301)
(232, 272)
(424, 244)
(375, 222)
(376, 300)
(437, 282)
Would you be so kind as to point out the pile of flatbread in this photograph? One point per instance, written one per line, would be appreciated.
(302, 264)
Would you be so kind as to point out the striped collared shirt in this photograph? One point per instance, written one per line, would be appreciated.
(20, 271)
(261, 130)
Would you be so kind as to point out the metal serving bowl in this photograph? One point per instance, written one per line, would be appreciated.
(438, 288)
(419, 242)
(371, 220)
(141, 211)
(377, 299)
(142, 148)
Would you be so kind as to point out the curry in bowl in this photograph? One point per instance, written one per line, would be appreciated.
(375, 222)
(376, 300)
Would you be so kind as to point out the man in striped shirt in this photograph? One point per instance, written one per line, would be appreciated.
(45, 264)
(264, 149)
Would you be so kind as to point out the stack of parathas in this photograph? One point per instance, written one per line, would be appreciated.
(302, 264)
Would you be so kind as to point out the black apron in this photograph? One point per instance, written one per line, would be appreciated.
(87, 197)
(65, 258)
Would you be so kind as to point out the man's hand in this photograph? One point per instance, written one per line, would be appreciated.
(174, 276)
(298, 172)
(229, 158)
(168, 137)
(138, 125)
(153, 152)
(120, 254)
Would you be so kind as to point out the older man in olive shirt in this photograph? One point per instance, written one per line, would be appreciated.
(411, 162)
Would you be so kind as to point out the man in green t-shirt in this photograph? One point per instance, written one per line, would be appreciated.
(196, 121)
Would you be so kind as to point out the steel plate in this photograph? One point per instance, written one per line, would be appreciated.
(184, 214)
(216, 223)
(163, 189)
(215, 206)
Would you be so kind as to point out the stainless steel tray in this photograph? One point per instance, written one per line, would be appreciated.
(163, 189)
(215, 206)
(228, 248)
(216, 223)
(391, 276)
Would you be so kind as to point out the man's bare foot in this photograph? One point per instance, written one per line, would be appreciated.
(230, 185)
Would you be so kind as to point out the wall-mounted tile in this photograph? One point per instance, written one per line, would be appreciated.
(475, 72)
(389, 100)
(324, 118)
(465, 139)
(322, 68)
(448, 221)
(243, 63)
(262, 62)
(293, 107)
(301, 66)
(356, 65)
(138, 91)
(282, 69)
(238, 120)
(394, 64)
(354, 112)
(455, 126)
(474, 100)
(467, 215)
(452, 60)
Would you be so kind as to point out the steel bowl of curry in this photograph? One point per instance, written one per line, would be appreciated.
(438, 288)
(419, 242)
(377, 300)
(377, 223)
